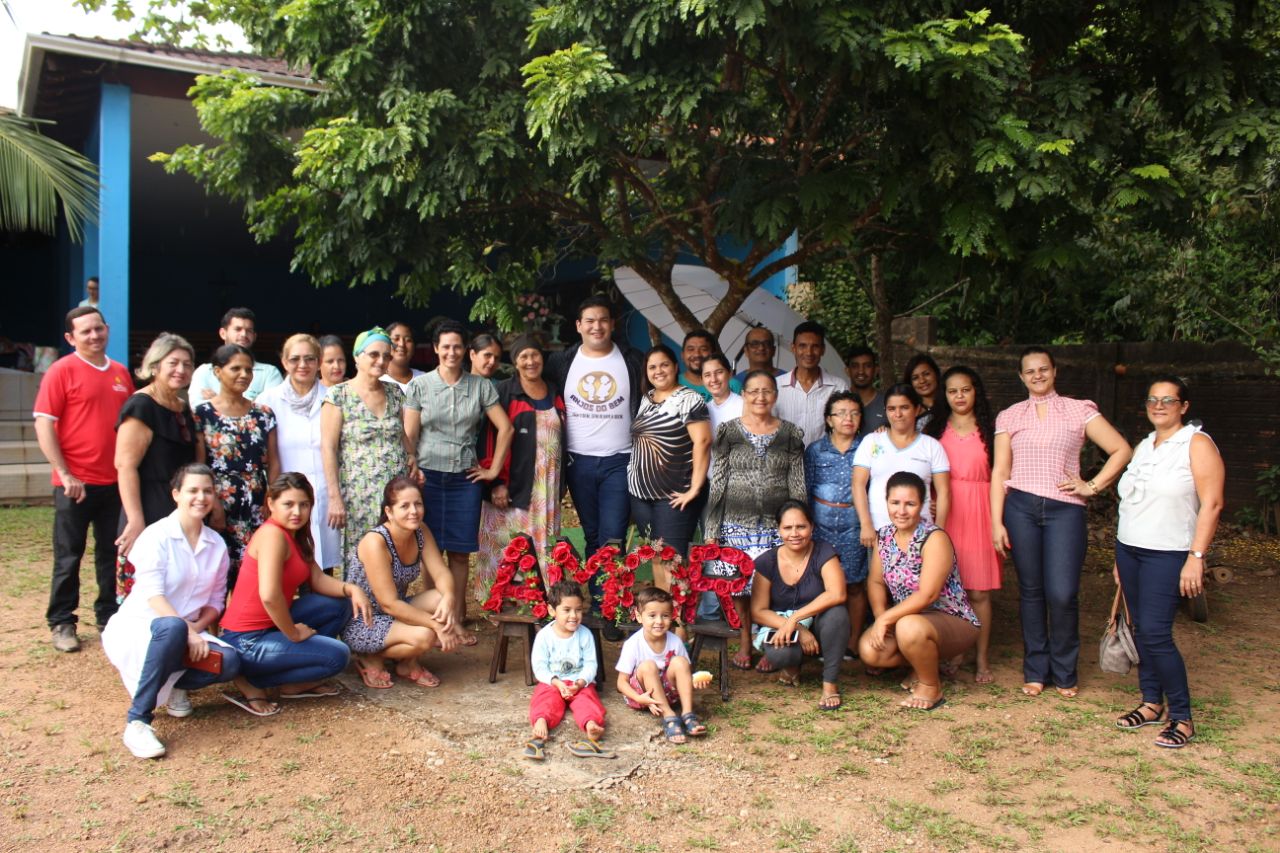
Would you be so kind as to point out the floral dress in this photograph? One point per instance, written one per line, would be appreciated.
(370, 454)
(902, 572)
(371, 639)
(236, 450)
(541, 521)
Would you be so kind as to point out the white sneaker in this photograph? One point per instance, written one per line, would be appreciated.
(141, 740)
(179, 704)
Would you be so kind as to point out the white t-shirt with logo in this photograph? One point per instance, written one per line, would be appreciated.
(597, 400)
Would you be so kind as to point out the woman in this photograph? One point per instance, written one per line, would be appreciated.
(828, 477)
(965, 427)
(922, 374)
(1170, 499)
(796, 599)
(759, 466)
(179, 589)
(670, 437)
(901, 447)
(525, 498)
(1037, 512)
(725, 405)
(400, 371)
(237, 439)
(403, 628)
(486, 356)
(922, 613)
(333, 361)
(287, 642)
(363, 441)
(442, 415)
(155, 436)
(297, 404)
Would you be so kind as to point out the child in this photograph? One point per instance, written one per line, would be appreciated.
(564, 662)
(654, 669)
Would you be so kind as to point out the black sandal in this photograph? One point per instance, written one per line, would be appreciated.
(1136, 719)
(1173, 737)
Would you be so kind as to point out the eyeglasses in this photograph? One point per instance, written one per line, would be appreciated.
(1153, 402)
(760, 392)
(378, 356)
(301, 359)
(846, 415)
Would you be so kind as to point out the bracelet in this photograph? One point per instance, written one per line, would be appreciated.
(1092, 485)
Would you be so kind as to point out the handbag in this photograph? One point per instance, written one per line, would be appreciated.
(1117, 652)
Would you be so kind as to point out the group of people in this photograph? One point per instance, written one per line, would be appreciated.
(235, 479)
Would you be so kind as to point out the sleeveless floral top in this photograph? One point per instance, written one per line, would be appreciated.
(902, 572)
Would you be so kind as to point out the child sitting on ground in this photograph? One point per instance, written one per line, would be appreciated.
(564, 662)
(654, 671)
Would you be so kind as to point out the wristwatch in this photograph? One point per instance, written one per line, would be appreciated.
(1199, 555)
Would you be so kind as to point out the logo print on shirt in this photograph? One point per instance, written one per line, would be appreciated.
(597, 387)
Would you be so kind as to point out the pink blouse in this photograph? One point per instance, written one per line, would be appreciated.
(1046, 451)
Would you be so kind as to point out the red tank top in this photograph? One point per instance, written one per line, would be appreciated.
(245, 612)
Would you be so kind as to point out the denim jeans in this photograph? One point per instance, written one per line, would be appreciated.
(165, 653)
(1150, 582)
(101, 509)
(657, 519)
(598, 485)
(1048, 540)
(270, 659)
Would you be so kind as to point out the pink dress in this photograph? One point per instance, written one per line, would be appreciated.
(969, 524)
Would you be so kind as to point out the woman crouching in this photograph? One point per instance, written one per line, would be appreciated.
(922, 612)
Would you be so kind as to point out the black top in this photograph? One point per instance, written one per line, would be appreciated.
(783, 596)
(173, 444)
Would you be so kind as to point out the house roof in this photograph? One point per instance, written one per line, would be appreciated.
(83, 55)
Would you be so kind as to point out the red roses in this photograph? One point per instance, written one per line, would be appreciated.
(518, 581)
(724, 588)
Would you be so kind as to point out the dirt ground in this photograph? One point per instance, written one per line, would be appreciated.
(416, 769)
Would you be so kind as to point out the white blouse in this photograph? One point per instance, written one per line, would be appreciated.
(165, 564)
(1158, 499)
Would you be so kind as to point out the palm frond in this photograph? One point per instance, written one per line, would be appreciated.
(37, 173)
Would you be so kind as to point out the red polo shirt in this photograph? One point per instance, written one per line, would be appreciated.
(84, 400)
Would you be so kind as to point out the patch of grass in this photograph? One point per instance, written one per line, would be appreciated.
(183, 796)
(942, 828)
(1031, 826)
(707, 842)
(596, 815)
(938, 787)
(795, 834)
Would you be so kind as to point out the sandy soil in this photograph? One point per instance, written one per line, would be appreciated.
(417, 769)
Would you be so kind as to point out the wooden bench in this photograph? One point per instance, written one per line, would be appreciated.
(714, 636)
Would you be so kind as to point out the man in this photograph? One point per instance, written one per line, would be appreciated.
(863, 367)
(75, 418)
(91, 289)
(600, 381)
(238, 327)
(760, 350)
(699, 344)
(803, 393)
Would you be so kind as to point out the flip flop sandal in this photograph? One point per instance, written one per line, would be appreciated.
(672, 728)
(693, 726)
(823, 703)
(983, 676)
(369, 674)
(320, 691)
(906, 703)
(247, 704)
(1032, 688)
(1173, 737)
(469, 639)
(1068, 692)
(1136, 719)
(422, 677)
(534, 749)
(736, 664)
(589, 749)
(789, 680)
(764, 667)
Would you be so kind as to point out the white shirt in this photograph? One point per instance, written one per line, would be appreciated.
(636, 650)
(264, 376)
(567, 658)
(403, 386)
(804, 408)
(597, 401)
(720, 412)
(165, 564)
(1158, 499)
(878, 454)
(298, 442)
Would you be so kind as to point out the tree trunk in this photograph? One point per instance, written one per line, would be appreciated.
(883, 323)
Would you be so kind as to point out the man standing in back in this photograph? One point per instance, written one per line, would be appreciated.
(92, 293)
(600, 381)
(863, 367)
(238, 327)
(699, 344)
(803, 393)
(760, 349)
(76, 411)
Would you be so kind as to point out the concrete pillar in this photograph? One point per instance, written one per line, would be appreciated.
(111, 240)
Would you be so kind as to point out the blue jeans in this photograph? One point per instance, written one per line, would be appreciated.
(1150, 582)
(657, 519)
(165, 653)
(598, 485)
(269, 659)
(1048, 540)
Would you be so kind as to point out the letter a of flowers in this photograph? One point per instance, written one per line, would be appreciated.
(518, 581)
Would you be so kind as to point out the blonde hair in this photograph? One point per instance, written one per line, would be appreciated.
(159, 350)
(300, 338)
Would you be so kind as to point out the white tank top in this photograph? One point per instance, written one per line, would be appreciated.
(1158, 500)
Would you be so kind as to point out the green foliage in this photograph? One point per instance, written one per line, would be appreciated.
(39, 175)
